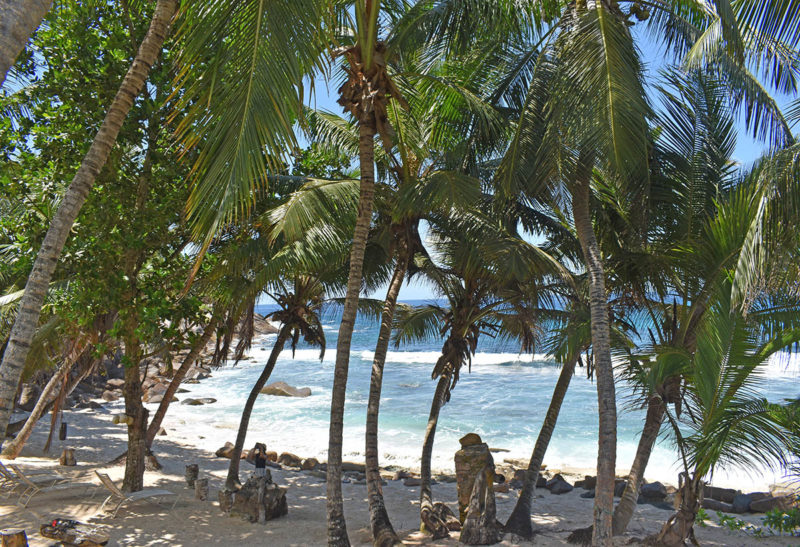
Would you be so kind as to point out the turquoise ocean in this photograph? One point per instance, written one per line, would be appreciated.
(504, 399)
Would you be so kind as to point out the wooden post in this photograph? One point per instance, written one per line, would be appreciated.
(192, 471)
(201, 489)
(13, 537)
(67, 457)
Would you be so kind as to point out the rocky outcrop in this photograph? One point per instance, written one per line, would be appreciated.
(199, 402)
(558, 485)
(715, 505)
(290, 460)
(781, 503)
(226, 451)
(282, 389)
(473, 459)
(480, 526)
(720, 494)
(262, 326)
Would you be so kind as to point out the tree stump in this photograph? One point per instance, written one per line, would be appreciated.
(201, 489)
(258, 500)
(481, 526)
(192, 471)
(67, 457)
(13, 537)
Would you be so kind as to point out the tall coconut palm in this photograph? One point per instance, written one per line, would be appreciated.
(233, 40)
(47, 258)
(569, 336)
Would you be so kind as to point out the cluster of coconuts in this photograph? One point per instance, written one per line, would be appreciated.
(641, 13)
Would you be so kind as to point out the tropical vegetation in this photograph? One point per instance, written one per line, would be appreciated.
(165, 168)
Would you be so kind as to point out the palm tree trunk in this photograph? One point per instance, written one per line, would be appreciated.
(383, 534)
(232, 482)
(18, 20)
(337, 528)
(13, 449)
(31, 304)
(429, 522)
(137, 413)
(601, 349)
(652, 424)
(519, 522)
(177, 378)
(680, 526)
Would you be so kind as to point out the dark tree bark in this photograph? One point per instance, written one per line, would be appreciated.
(383, 534)
(519, 522)
(137, 414)
(337, 528)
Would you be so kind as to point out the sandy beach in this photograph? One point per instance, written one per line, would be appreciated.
(97, 441)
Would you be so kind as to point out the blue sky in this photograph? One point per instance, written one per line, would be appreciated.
(654, 57)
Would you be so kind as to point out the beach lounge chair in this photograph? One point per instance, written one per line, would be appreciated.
(32, 488)
(11, 483)
(120, 498)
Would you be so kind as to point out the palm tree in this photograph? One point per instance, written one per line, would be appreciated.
(19, 21)
(588, 43)
(569, 336)
(239, 55)
(39, 279)
(483, 298)
(728, 424)
(300, 302)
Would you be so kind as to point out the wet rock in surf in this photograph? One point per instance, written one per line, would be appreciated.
(282, 389)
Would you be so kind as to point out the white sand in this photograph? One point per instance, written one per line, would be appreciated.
(194, 522)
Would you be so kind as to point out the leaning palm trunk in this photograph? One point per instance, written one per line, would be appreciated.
(429, 522)
(232, 482)
(31, 304)
(383, 534)
(177, 378)
(337, 529)
(13, 448)
(519, 522)
(18, 20)
(601, 349)
(680, 526)
(652, 424)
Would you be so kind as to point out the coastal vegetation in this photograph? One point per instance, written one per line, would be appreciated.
(165, 168)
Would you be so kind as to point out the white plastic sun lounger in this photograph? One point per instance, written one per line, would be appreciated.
(32, 488)
(120, 498)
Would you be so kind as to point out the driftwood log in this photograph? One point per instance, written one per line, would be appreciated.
(13, 537)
